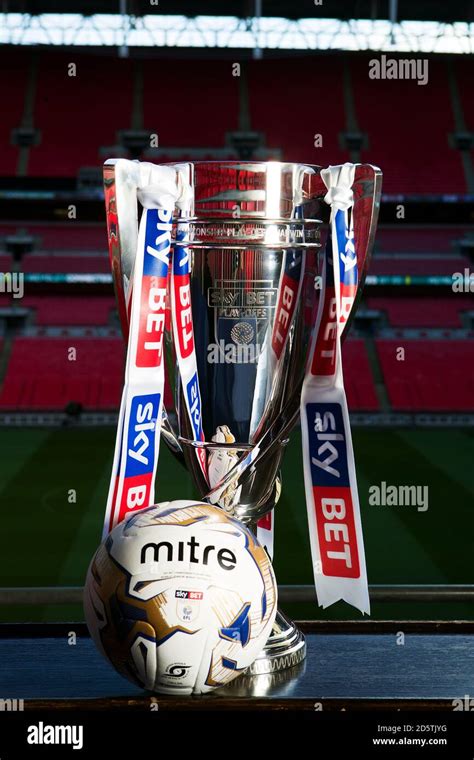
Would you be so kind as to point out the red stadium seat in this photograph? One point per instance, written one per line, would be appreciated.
(5, 262)
(64, 103)
(312, 84)
(173, 129)
(423, 312)
(435, 375)
(405, 238)
(421, 265)
(48, 393)
(62, 236)
(73, 310)
(35, 262)
(41, 375)
(358, 380)
(14, 66)
(410, 119)
(465, 72)
(110, 392)
(414, 120)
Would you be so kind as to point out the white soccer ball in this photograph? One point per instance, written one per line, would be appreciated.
(180, 597)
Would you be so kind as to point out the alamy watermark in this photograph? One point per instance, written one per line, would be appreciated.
(399, 68)
(232, 353)
(12, 283)
(465, 703)
(385, 495)
(43, 733)
(12, 705)
(241, 349)
(463, 282)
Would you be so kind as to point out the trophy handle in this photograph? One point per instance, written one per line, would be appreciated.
(121, 178)
(121, 183)
(367, 189)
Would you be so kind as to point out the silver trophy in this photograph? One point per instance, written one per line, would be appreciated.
(254, 233)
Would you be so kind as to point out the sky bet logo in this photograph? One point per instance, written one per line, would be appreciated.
(194, 401)
(348, 272)
(153, 298)
(182, 300)
(324, 358)
(140, 453)
(196, 595)
(331, 491)
(287, 301)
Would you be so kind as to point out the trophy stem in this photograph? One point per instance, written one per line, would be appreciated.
(285, 648)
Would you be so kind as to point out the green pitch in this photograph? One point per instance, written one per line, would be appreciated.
(53, 486)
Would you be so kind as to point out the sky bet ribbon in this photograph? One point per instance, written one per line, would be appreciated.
(181, 315)
(289, 290)
(329, 471)
(138, 433)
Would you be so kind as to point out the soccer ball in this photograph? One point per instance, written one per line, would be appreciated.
(180, 597)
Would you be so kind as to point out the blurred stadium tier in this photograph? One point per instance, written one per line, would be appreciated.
(437, 375)
(57, 237)
(57, 124)
(93, 379)
(67, 284)
(427, 320)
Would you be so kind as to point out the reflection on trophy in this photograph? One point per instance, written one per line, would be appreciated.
(252, 329)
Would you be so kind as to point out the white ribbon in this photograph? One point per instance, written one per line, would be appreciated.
(163, 187)
(183, 334)
(132, 487)
(138, 433)
(329, 470)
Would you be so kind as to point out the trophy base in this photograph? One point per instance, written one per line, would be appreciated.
(285, 648)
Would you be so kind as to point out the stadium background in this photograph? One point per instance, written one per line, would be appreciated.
(412, 419)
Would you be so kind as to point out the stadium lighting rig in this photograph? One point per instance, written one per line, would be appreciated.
(229, 32)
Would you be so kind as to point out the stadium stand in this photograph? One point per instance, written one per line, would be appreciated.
(41, 374)
(367, 106)
(434, 375)
(358, 379)
(418, 265)
(14, 79)
(70, 310)
(172, 128)
(42, 262)
(65, 135)
(404, 168)
(5, 262)
(422, 312)
(292, 135)
(464, 71)
(64, 145)
(57, 381)
(61, 236)
(419, 239)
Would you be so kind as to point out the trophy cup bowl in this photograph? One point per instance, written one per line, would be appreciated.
(253, 233)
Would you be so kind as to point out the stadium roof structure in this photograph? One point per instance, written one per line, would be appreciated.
(416, 10)
(396, 26)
